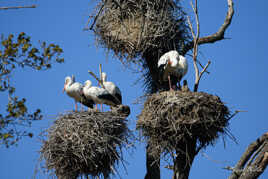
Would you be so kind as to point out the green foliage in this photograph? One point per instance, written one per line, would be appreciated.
(20, 53)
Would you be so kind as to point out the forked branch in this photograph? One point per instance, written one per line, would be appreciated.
(199, 76)
(196, 42)
(216, 36)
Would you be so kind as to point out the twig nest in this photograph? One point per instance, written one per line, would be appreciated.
(171, 118)
(85, 143)
(131, 28)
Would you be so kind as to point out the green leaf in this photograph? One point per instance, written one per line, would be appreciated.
(5, 136)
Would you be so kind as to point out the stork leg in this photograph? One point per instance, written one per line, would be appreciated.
(169, 82)
(81, 108)
(75, 106)
(179, 83)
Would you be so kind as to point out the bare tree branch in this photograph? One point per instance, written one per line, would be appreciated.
(99, 80)
(200, 75)
(202, 66)
(95, 19)
(235, 113)
(216, 36)
(196, 42)
(17, 7)
(254, 160)
(195, 47)
(95, 76)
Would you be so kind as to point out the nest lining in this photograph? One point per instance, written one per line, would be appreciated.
(131, 28)
(172, 118)
(85, 143)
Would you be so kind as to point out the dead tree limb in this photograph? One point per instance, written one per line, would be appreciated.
(254, 160)
(216, 36)
(196, 43)
(95, 76)
(199, 76)
(17, 7)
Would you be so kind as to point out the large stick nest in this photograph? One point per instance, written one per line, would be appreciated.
(133, 28)
(85, 143)
(171, 118)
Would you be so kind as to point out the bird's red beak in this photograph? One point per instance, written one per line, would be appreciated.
(169, 62)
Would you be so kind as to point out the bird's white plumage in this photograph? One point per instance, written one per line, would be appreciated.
(98, 95)
(111, 87)
(172, 63)
(91, 92)
(172, 67)
(73, 89)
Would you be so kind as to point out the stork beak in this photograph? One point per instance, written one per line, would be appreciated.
(169, 62)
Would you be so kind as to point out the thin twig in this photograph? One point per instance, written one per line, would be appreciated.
(101, 82)
(202, 66)
(96, 17)
(17, 7)
(235, 113)
(200, 76)
(191, 27)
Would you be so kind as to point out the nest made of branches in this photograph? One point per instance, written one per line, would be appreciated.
(85, 143)
(171, 118)
(133, 28)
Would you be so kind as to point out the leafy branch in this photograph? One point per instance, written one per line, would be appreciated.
(20, 53)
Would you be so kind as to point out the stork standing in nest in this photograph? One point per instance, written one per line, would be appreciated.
(75, 91)
(99, 95)
(172, 67)
(111, 87)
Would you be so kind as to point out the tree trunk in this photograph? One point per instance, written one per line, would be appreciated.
(185, 154)
(152, 165)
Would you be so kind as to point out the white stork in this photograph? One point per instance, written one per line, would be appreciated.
(98, 95)
(75, 91)
(172, 64)
(111, 87)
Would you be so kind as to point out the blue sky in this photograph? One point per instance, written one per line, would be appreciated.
(238, 74)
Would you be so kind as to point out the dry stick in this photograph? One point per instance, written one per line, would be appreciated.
(195, 49)
(96, 17)
(197, 80)
(101, 82)
(202, 66)
(17, 7)
(199, 63)
(92, 74)
(196, 40)
(235, 113)
(216, 36)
